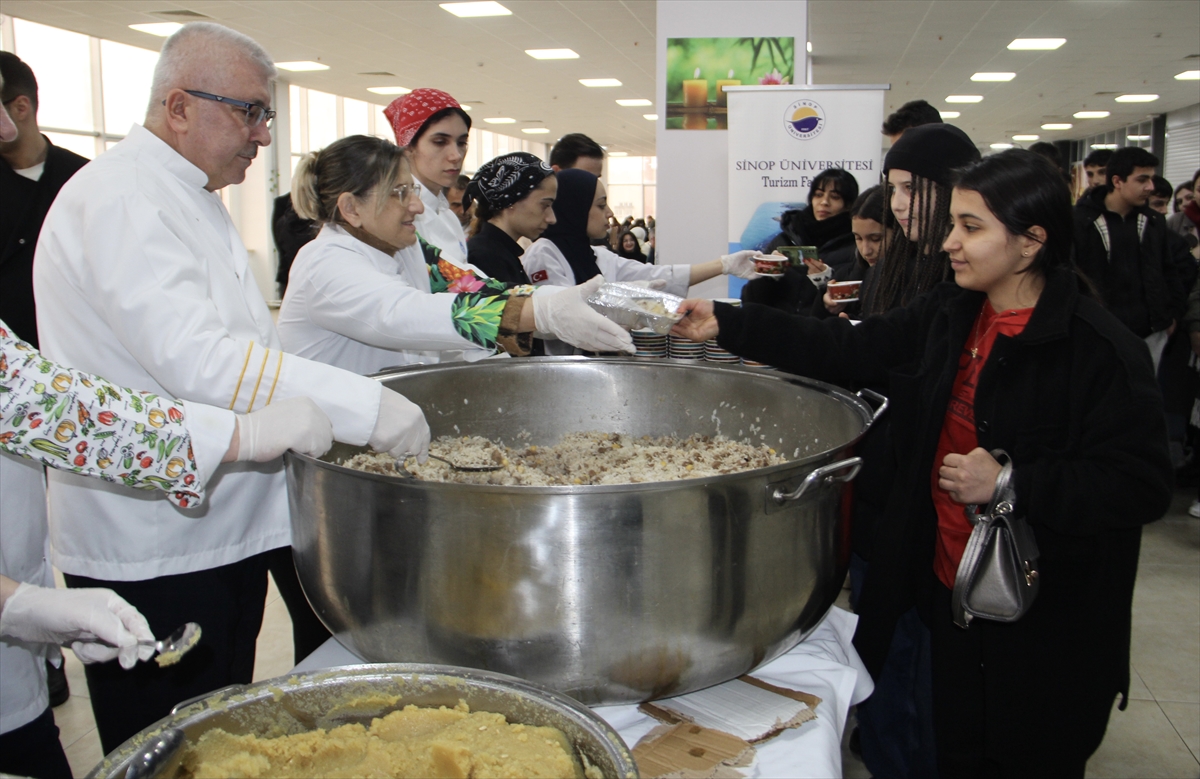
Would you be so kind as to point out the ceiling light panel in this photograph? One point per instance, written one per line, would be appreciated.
(635, 102)
(1104, 146)
(552, 54)
(964, 98)
(301, 66)
(389, 90)
(165, 29)
(949, 114)
(599, 82)
(1036, 44)
(651, 117)
(1090, 114)
(1001, 146)
(535, 130)
(500, 120)
(1025, 137)
(474, 10)
(1136, 98)
(1138, 137)
(1057, 126)
(1188, 75)
(993, 76)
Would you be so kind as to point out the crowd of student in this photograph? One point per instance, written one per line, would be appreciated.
(995, 313)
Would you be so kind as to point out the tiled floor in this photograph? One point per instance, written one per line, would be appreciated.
(1158, 735)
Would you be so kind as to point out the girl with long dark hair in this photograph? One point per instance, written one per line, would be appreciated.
(825, 224)
(1016, 356)
(917, 172)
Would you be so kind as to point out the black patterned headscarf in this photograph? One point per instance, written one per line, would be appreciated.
(506, 180)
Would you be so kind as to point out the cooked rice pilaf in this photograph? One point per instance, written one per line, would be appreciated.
(580, 459)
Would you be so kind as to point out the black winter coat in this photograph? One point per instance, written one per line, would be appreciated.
(23, 207)
(1072, 399)
(1163, 267)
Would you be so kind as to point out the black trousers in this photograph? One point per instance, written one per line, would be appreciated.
(227, 602)
(1050, 737)
(34, 750)
(307, 631)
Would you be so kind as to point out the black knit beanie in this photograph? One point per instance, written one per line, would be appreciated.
(931, 151)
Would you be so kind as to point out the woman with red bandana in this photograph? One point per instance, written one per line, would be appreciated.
(362, 295)
(433, 128)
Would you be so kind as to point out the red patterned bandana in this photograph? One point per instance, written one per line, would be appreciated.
(409, 112)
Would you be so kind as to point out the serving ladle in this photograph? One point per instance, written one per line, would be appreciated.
(171, 649)
(467, 468)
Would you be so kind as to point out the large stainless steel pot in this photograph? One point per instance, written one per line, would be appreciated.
(357, 693)
(608, 594)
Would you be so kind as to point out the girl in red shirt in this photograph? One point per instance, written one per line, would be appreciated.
(1016, 355)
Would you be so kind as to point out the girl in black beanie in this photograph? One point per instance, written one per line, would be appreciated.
(918, 172)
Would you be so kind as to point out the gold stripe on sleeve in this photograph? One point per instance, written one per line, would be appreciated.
(278, 370)
(238, 388)
(261, 370)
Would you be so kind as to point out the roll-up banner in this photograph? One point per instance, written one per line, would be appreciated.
(781, 137)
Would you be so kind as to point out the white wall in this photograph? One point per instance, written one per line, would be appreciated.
(693, 181)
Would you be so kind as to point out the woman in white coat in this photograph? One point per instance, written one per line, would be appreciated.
(565, 256)
(362, 296)
(61, 418)
(433, 128)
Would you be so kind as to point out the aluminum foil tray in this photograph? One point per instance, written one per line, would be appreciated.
(635, 307)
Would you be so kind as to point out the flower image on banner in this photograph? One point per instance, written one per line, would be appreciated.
(699, 69)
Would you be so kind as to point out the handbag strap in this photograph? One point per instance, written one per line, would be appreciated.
(1004, 495)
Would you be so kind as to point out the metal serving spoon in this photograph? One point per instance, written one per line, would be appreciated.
(160, 757)
(467, 468)
(172, 648)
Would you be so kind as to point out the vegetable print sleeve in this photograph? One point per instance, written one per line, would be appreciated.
(78, 422)
(486, 311)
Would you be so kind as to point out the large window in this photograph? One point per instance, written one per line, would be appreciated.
(318, 119)
(632, 186)
(89, 90)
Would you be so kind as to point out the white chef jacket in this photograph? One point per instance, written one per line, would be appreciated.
(140, 276)
(439, 226)
(23, 695)
(356, 307)
(544, 255)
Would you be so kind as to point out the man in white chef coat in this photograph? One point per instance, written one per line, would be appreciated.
(140, 276)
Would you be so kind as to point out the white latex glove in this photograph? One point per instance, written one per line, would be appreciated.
(567, 316)
(740, 264)
(295, 423)
(401, 429)
(50, 616)
(649, 283)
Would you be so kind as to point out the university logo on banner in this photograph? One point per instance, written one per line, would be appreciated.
(804, 119)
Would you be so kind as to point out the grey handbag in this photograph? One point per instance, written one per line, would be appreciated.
(998, 577)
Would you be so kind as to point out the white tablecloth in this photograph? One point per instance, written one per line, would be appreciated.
(824, 665)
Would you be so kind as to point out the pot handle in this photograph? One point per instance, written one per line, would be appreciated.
(866, 394)
(824, 473)
(233, 688)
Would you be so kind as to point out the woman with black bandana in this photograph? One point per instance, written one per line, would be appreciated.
(564, 255)
(514, 196)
